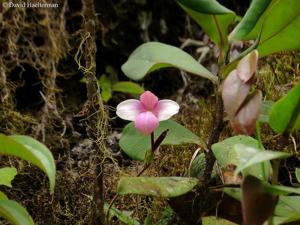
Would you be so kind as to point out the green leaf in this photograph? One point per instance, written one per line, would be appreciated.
(279, 33)
(285, 113)
(135, 144)
(30, 150)
(277, 220)
(128, 87)
(149, 218)
(7, 174)
(256, 156)
(212, 220)
(167, 217)
(105, 86)
(226, 154)
(166, 187)
(152, 56)
(123, 216)
(248, 22)
(212, 17)
(235, 193)
(3, 196)
(265, 111)
(281, 190)
(287, 210)
(14, 213)
(297, 172)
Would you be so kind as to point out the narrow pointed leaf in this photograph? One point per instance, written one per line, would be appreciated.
(14, 213)
(135, 144)
(30, 150)
(279, 33)
(166, 187)
(285, 113)
(250, 19)
(7, 174)
(152, 56)
(212, 17)
(257, 156)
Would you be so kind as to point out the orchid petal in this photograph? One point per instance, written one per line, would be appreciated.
(148, 100)
(166, 109)
(146, 122)
(129, 109)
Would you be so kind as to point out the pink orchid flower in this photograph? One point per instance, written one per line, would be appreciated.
(147, 112)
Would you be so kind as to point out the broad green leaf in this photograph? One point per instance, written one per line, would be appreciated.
(255, 156)
(212, 17)
(279, 26)
(297, 172)
(249, 20)
(3, 196)
(7, 174)
(166, 187)
(105, 86)
(123, 216)
(128, 87)
(287, 210)
(135, 144)
(285, 113)
(212, 220)
(30, 150)
(152, 56)
(14, 213)
(288, 206)
(265, 111)
(226, 154)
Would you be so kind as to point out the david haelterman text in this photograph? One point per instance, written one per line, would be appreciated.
(29, 5)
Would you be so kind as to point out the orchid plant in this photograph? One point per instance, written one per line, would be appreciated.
(147, 112)
(255, 169)
(33, 151)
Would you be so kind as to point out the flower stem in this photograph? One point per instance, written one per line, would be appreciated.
(146, 166)
(152, 142)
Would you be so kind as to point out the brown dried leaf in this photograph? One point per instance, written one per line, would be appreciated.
(246, 68)
(245, 120)
(234, 93)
